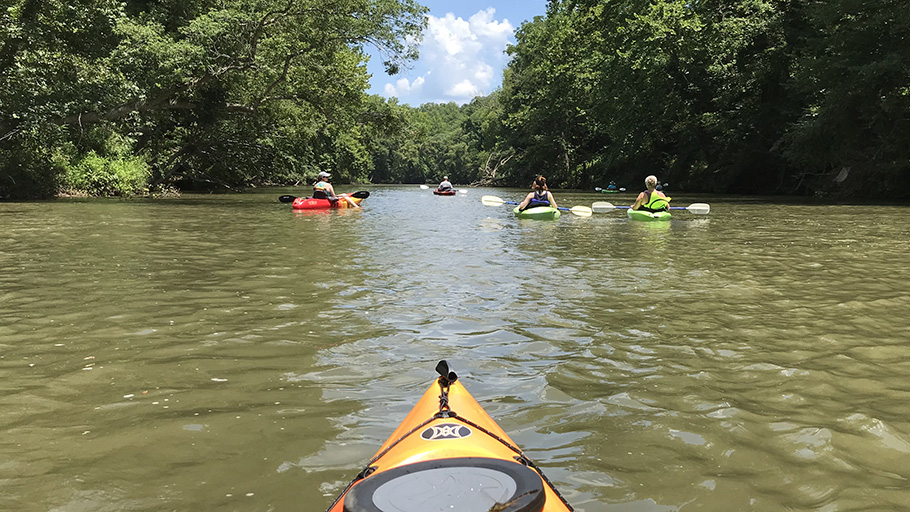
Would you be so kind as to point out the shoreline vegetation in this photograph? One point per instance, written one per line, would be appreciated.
(136, 98)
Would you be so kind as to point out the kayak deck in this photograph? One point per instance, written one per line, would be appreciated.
(648, 216)
(449, 454)
(538, 213)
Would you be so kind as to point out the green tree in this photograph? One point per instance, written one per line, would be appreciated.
(851, 138)
(484, 134)
(694, 91)
(545, 100)
(212, 92)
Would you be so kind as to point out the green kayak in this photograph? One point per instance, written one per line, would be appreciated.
(648, 216)
(538, 212)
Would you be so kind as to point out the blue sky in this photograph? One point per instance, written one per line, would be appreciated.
(462, 54)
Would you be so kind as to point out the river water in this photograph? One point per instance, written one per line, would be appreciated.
(221, 352)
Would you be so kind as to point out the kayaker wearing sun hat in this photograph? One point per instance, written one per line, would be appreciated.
(322, 189)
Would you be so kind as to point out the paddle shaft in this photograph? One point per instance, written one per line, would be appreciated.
(672, 207)
(360, 194)
(558, 207)
(581, 211)
(698, 208)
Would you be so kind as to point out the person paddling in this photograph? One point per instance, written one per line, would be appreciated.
(541, 196)
(445, 185)
(322, 189)
(651, 199)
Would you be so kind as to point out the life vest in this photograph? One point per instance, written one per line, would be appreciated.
(319, 190)
(655, 203)
(540, 199)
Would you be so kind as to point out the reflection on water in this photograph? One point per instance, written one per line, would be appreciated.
(226, 353)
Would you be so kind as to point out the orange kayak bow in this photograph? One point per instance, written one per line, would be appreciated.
(449, 455)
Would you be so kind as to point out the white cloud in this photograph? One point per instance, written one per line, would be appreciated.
(486, 27)
(463, 89)
(459, 59)
(451, 35)
(483, 72)
(403, 87)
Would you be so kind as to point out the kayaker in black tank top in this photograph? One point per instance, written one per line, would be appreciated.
(541, 196)
(644, 200)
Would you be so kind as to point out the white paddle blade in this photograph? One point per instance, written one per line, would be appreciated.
(581, 211)
(699, 208)
(602, 207)
(492, 201)
(424, 187)
(463, 190)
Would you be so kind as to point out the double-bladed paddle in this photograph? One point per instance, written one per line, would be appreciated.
(581, 211)
(461, 190)
(361, 194)
(698, 208)
(598, 189)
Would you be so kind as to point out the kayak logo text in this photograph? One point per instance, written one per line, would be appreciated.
(445, 431)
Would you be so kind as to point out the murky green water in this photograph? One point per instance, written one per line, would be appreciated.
(225, 353)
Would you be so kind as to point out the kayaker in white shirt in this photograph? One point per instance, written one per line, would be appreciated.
(445, 185)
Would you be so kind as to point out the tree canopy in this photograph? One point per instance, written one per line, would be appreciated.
(729, 96)
(227, 93)
(744, 96)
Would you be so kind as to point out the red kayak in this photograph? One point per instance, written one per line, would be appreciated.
(310, 203)
(438, 192)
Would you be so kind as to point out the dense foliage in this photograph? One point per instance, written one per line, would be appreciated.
(806, 97)
(744, 96)
(217, 93)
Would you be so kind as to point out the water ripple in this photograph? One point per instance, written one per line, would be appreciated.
(221, 352)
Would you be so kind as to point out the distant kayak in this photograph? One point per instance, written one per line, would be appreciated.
(538, 213)
(450, 192)
(648, 216)
(449, 454)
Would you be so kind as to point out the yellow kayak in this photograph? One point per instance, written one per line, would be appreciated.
(449, 454)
